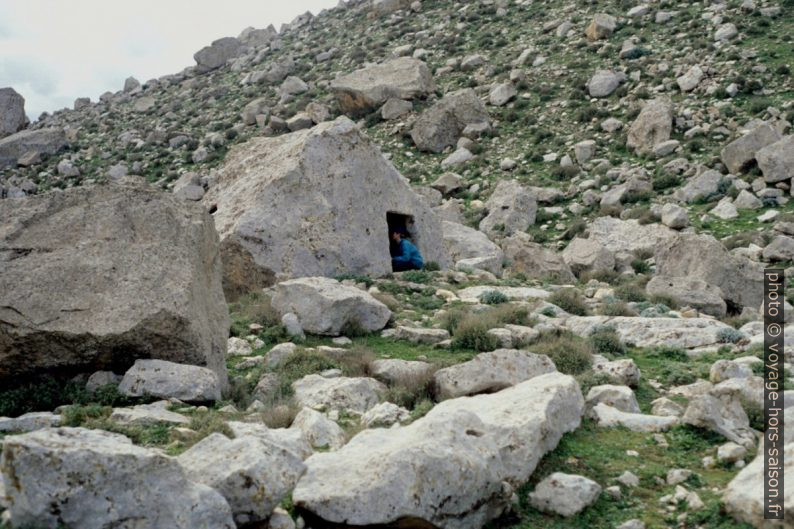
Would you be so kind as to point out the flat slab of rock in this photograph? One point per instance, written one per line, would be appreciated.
(472, 294)
(253, 475)
(564, 494)
(158, 378)
(96, 277)
(119, 483)
(148, 415)
(326, 306)
(29, 422)
(357, 394)
(400, 372)
(608, 417)
(421, 335)
(686, 333)
(451, 464)
(291, 206)
(368, 88)
(490, 372)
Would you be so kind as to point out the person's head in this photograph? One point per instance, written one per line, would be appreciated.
(396, 235)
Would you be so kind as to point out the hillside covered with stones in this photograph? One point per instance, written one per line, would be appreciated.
(200, 327)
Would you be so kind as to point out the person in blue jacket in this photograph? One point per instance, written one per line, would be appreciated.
(408, 256)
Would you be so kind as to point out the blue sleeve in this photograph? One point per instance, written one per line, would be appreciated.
(404, 254)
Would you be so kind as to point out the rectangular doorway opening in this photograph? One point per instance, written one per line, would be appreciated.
(402, 223)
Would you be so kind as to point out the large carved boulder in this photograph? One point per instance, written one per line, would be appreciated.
(313, 203)
(95, 278)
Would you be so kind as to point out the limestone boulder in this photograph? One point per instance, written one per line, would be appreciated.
(604, 82)
(694, 293)
(627, 236)
(512, 208)
(701, 187)
(401, 372)
(601, 27)
(442, 124)
(457, 466)
(120, 484)
(564, 494)
(586, 255)
(292, 439)
(723, 415)
(29, 143)
(95, 278)
(367, 89)
(355, 394)
(320, 431)
(686, 333)
(326, 306)
(776, 161)
(619, 397)
(741, 151)
(469, 247)
(705, 258)
(534, 260)
(253, 475)
(490, 372)
(216, 54)
(166, 380)
(652, 127)
(12, 112)
(608, 416)
(313, 203)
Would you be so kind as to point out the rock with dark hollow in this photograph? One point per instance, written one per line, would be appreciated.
(94, 278)
(313, 203)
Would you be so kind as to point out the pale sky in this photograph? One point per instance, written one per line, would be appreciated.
(54, 51)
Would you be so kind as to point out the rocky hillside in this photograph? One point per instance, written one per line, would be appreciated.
(199, 326)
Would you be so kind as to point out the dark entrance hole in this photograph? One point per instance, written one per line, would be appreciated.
(401, 223)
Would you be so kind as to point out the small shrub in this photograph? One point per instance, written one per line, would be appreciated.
(640, 266)
(616, 307)
(472, 333)
(417, 276)
(571, 354)
(493, 297)
(570, 300)
(605, 340)
(630, 292)
(590, 379)
(432, 266)
(452, 318)
(667, 301)
(729, 336)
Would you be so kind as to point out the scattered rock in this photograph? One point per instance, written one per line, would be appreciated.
(490, 372)
(564, 494)
(119, 482)
(112, 273)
